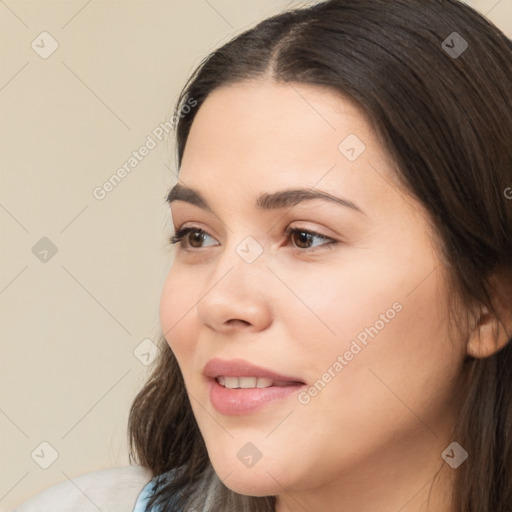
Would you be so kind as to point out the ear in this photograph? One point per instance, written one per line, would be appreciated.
(492, 332)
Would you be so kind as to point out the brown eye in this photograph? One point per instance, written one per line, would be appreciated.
(195, 237)
(198, 236)
(303, 239)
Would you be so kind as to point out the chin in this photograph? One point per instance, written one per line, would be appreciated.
(253, 485)
(262, 479)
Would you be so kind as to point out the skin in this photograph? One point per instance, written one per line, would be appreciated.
(372, 439)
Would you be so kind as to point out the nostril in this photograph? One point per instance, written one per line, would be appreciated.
(235, 321)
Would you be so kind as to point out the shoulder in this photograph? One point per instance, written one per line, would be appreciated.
(109, 490)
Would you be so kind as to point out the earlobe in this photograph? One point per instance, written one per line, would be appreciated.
(490, 333)
(487, 338)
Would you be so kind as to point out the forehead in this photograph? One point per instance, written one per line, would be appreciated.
(278, 131)
(254, 116)
(266, 136)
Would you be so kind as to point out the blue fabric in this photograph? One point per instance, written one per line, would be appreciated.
(145, 494)
(148, 490)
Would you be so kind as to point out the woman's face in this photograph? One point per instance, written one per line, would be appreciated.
(348, 326)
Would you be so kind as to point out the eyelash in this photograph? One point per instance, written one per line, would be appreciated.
(182, 233)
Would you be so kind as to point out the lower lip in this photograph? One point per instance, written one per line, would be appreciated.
(234, 402)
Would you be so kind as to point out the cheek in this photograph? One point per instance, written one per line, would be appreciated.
(395, 359)
(177, 314)
(355, 298)
(390, 328)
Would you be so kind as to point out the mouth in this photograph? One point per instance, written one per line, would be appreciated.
(238, 387)
(252, 382)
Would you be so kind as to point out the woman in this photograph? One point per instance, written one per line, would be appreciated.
(380, 319)
(337, 318)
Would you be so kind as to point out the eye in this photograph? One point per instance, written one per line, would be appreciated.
(182, 236)
(302, 237)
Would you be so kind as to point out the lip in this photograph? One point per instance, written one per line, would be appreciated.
(235, 402)
(241, 368)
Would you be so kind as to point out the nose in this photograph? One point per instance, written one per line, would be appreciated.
(237, 295)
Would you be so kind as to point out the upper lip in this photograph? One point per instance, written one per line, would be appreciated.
(241, 368)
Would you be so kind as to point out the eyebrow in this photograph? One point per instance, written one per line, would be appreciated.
(266, 201)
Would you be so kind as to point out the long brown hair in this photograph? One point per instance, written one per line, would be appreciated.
(441, 104)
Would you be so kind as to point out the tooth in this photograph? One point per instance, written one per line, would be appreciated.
(231, 382)
(247, 382)
(263, 382)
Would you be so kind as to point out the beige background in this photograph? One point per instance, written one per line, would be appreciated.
(70, 324)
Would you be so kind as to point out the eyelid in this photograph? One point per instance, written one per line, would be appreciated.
(293, 229)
